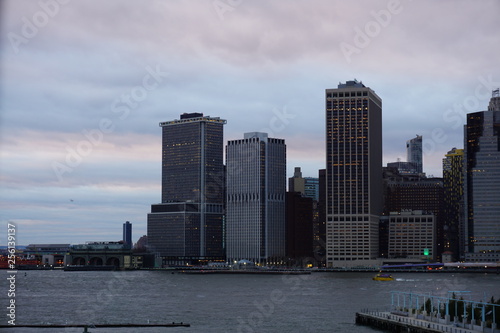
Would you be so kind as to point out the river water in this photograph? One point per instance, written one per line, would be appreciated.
(319, 302)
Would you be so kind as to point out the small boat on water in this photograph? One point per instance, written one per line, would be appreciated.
(383, 277)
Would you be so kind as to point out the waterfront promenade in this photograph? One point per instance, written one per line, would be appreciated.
(421, 313)
(398, 323)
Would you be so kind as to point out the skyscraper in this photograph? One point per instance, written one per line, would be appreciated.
(453, 187)
(353, 172)
(297, 183)
(482, 183)
(127, 234)
(299, 228)
(414, 153)
(188, 224)
(256, 186)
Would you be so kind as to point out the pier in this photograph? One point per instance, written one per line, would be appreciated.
(418, 313)
(87, 327)
(395, 323)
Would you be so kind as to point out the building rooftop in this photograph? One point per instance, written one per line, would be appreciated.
(351, 84)
(191, 118)
(260, 135)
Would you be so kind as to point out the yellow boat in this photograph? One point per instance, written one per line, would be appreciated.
(383, 277)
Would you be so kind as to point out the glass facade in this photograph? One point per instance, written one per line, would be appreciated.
(482, 185)
(127, 234)
(192, 161)
(414, 153)
(353, 172)
(256, 186)
(453, 187)
(188, 224)
(311, 188)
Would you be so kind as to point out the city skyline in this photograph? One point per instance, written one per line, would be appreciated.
(80, 147)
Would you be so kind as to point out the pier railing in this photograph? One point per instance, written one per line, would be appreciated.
(428, 313)
(391, 320)
(466, 313)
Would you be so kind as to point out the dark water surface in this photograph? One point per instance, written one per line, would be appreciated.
(320, 302)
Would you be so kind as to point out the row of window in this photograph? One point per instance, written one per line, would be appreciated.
(346, 94)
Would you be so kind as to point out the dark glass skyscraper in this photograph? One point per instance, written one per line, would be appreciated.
(353, 172)
(414, 153)
(299, 228)
(188, 224)
(482, 183)
(453, 186)
(127, 234)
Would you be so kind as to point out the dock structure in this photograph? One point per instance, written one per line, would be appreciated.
(419, 313)
(87, 327)
(395, 323)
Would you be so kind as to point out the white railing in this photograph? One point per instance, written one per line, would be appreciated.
(397, 317)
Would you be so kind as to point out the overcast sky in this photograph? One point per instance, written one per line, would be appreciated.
(84, 85)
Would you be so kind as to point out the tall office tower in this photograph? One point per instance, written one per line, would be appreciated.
(307, 188)
(414, 153)
(482, 183)
(127, 234)
(353, 172)
(299, 229)
(255, 208)
(297, 182)
(187, 226)
(453, 188)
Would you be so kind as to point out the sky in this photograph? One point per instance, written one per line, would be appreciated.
(84, 85)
